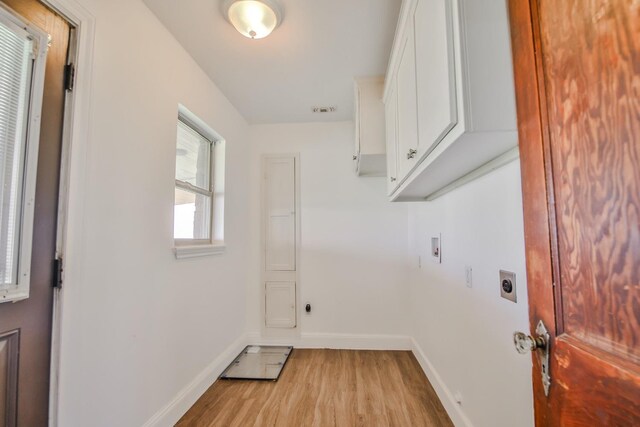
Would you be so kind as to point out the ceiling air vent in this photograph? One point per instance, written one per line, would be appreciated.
(323, 109)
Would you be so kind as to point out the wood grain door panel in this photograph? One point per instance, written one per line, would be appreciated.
(594, 131)
(577, 70)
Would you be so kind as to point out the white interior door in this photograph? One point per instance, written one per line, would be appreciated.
(280, 304)
(280, 212)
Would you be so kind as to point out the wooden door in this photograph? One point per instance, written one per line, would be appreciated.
(577, 72)
(25, 326)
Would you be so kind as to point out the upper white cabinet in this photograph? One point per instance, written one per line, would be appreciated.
(370, 151)
(450, 82)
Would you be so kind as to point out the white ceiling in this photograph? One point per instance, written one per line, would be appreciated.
(310, 60)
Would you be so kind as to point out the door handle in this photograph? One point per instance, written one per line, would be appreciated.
(411, 154)
(525, 343)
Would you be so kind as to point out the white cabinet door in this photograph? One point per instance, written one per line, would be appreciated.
(437, 107)
(391, 120)
(280, 304)
(370, 126)
(407, 106)
(356, 153)
(280, 214)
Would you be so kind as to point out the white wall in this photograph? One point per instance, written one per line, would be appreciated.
(361, 280)
(353, 250)
(139, 325)
(466, 333)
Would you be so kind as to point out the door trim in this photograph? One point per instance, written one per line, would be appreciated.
(75, 140)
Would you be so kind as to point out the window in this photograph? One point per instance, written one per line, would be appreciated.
(23, 56)
(198, 227)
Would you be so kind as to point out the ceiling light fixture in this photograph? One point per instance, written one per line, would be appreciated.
(254, 19)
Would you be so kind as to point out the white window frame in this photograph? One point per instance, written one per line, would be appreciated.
(189, 248)
(20, 290)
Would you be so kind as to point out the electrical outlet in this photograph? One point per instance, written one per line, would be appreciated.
(468, 276)
(458, 398)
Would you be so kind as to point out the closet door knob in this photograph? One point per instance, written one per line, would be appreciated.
(412, 153)
(392, 179)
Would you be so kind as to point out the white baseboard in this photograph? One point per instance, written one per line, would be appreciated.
(454, 410)
(180, 404)
(337, 341)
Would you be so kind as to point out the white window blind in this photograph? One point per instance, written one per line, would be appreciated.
(16, 62)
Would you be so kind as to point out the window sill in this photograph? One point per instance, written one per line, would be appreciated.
(195, 251)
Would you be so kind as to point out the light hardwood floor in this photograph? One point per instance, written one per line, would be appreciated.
(327, 388)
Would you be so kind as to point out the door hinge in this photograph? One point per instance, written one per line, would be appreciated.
(57, 273)
(69, 77)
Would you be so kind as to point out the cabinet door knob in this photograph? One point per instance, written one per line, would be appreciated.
(355, 157)
(392, 179)
(412, 153)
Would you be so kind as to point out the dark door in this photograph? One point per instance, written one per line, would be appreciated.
(25, 326)
(577, 68)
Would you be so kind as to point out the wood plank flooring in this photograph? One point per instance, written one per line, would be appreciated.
(327, 388)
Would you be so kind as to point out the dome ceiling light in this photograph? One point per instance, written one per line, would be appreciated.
(254, 19)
